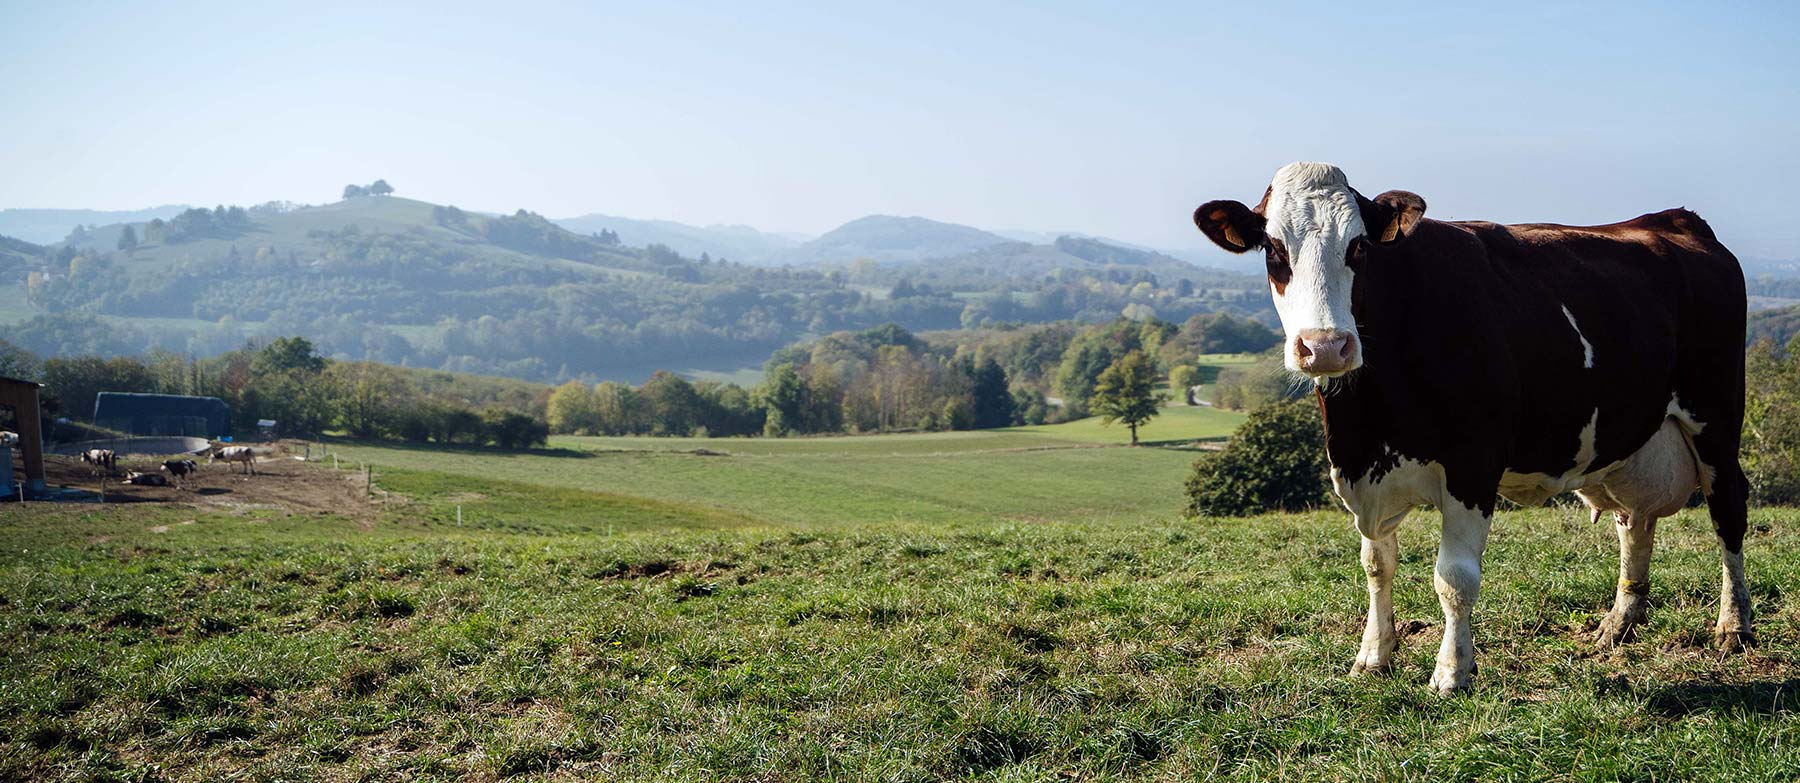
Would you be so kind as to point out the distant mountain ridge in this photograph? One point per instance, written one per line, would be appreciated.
(896, 239)
(734, 242)
(47, 226)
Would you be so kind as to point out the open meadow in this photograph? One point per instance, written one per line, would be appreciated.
(1023, 604)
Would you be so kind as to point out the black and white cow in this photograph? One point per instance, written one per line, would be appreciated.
(1457, 361)
(180, 469)
(145, 479)
(104, 459)
(244, 454)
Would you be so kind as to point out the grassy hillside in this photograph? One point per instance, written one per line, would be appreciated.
(907, 608)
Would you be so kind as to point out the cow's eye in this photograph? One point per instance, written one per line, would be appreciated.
(1277, 257)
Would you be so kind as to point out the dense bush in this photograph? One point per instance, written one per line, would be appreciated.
(1275, 462)
(513, 430)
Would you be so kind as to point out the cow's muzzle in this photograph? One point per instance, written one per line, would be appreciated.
(1326, 351)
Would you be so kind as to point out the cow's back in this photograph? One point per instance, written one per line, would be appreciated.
(1607, 324)
(1553, 348)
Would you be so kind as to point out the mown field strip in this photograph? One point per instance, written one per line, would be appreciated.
(821, 488)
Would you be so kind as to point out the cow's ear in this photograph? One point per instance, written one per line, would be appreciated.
(1391, 217)
(1231, 225)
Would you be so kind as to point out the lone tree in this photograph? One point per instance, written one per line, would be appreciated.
(354, 191)
(128, 240)
(993, 400)
(1126, 391)
(380, 188)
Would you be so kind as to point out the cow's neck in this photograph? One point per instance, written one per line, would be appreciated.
(1355, 408)
(1354, 434)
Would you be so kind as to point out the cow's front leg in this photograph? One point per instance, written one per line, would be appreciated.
(1379, 557)
(1458, 583)
(1637, 533)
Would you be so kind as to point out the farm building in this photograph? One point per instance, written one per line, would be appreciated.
(19, 413)
(162, 414)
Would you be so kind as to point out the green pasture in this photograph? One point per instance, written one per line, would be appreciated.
(1022, 605)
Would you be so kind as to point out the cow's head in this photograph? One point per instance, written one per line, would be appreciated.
(1316, 233)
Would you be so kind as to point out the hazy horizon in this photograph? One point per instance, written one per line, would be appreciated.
(1008, 118)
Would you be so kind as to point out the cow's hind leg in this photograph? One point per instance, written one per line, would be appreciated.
(1458, 581)
(1715, 436)
(1728, 505)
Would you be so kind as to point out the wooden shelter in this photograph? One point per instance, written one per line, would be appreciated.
(22, 398)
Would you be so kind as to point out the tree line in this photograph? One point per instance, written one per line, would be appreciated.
(885, 379)
(304, 393)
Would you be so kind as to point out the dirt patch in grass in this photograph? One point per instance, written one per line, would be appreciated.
(281, 484)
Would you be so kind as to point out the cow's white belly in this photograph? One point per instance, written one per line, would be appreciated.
(1531, 489)
(1656, 479)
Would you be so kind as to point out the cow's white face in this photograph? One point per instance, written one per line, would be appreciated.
(1316, 231)
(1312, 225)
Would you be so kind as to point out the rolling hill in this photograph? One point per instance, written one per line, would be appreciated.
(895, 239)
(736, 243)
(410, 282)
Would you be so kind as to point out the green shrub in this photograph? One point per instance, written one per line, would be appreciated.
(510, 430)
(1275, 462)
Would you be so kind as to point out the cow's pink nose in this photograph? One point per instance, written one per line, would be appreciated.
(1325, 351)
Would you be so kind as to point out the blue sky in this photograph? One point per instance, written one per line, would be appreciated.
(1112, 120)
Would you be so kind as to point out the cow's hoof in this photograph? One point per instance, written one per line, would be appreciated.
(1371, 666)
(1734, 641)
(1446, 680)
(1615, 629)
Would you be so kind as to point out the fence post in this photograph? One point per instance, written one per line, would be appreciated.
(369, 479)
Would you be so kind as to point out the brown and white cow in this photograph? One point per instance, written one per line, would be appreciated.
(1457, 361)
(244, 454)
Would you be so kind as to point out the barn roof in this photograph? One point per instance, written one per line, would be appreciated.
(162, 414)
(4, 381)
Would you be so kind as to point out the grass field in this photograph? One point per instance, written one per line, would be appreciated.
(1019, 605)
(13, 306)
(1211, 364)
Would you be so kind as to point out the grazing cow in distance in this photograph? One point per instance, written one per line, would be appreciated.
(243, 454)
(104, 459)
(1458, 361)
(180, 469)
(145, 479)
